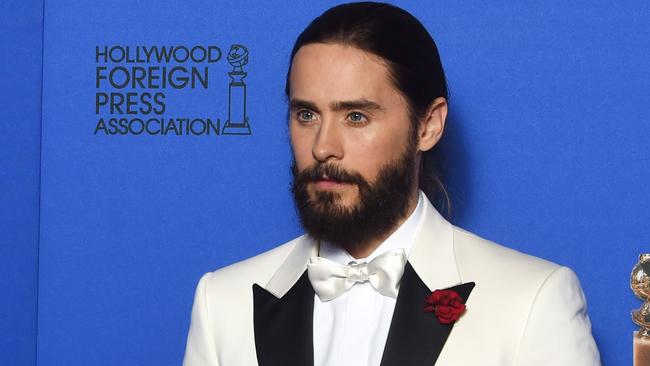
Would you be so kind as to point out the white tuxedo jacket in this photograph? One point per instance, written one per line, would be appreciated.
(521, 310)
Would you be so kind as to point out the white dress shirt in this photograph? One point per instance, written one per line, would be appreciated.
(352, 328)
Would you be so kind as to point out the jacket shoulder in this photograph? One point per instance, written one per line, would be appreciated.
(257, 269)
(474, 253)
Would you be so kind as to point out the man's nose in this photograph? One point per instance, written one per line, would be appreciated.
(328, 142)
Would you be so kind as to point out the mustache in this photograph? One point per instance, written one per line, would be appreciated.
(334, 172)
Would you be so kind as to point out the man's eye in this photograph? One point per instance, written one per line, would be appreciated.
(305, 116)
(357, 117)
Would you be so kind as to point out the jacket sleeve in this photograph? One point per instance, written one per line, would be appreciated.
(200, 349)
(558, 330)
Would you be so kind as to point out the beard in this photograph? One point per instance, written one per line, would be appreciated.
(378, 209)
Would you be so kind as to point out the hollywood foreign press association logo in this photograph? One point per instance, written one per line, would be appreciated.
(133, 87)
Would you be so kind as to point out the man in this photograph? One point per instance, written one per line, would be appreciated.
(367, 101)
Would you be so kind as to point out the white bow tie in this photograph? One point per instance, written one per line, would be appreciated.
(330, 279)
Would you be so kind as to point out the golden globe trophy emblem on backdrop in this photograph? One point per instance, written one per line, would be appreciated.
(237, 123)
(640, 284)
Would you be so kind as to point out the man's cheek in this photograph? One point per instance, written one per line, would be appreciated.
(301, 164)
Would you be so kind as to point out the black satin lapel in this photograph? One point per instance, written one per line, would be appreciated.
(283, 327)
(416, 338)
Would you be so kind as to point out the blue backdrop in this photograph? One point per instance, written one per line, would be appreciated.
(21, 32)
(546, 152)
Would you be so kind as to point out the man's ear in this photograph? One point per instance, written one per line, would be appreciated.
(432, 125)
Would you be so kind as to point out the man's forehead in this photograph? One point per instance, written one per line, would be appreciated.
(336, 56)
(337, 74)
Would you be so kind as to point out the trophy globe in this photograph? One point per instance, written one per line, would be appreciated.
(238, 57)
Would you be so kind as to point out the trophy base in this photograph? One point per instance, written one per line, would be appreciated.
(641, 350)
(231, 128)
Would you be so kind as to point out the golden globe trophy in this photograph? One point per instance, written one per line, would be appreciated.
(640, 284)
(237, 123)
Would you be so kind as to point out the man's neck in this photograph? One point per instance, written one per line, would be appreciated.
(366, 248)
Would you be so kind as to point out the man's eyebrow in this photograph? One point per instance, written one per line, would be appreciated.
(303, 104)
(356, 104)
(337, 106)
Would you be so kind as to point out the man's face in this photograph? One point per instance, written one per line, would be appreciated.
(350, 133)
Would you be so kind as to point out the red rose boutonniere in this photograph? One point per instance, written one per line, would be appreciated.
(447, 305)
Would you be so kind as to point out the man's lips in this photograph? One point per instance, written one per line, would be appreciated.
(328, 183)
